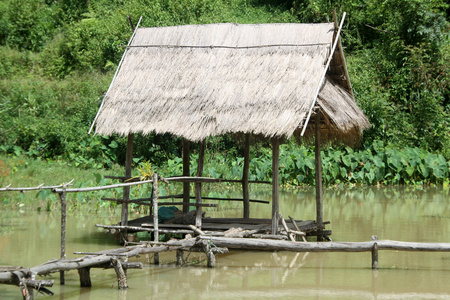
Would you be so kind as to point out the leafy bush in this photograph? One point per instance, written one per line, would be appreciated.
(376, 164)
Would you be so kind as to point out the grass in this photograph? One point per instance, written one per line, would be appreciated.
(19, 171)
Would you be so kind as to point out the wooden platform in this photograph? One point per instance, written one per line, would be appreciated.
(217, 226)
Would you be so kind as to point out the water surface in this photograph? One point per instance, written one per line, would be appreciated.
(395, 213)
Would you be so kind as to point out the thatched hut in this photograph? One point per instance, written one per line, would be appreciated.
(266, 80)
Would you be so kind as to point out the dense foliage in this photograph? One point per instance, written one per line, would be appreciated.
(57, 58)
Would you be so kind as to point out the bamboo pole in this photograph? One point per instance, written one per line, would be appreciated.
(275, 183)
(319, 192)
(341, 53)
(325, 70)
(126, 189)
(115, 74)
(25, 189)
(155, 214)
(245, 190)
(104, 187)
(198, 185)
(186, 173)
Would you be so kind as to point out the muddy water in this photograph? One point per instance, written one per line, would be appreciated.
(416, 215)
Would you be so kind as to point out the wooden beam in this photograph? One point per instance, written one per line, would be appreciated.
(272, 245)
(250, 181)
(186, 173)
(318, 163)
(275, 183)
(245, 190)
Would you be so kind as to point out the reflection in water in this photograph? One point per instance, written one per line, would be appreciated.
(406, 214)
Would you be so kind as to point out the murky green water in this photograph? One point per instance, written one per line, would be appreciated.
(415, 215)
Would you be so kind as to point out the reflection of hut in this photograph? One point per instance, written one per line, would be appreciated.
(264, 80)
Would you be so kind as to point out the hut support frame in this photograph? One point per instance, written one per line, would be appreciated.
(198, 185)
(126, 190)
(245, 189)
(275, 183)
(187, 173)
(319, 192)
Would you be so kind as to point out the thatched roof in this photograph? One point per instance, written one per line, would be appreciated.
(197, 81)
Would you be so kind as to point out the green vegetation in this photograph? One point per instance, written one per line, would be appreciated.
(57, 59)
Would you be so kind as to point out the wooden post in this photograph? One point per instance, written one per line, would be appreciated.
(27, 292)
(319, 194)
(179, 257)
(62, 197)
(211, 259)
(245, 190)
(275, 183)
(126, 190)
(85, 277)
(121, 276)
(198, 185)
(375, 257)
(155, 214)
(186, 172)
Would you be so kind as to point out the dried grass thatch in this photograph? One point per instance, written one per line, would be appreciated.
(197, 81)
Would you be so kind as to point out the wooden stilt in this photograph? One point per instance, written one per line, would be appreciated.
(27, 292)
(62, 197)
(275, 183)
(319, 193)
(126, 189)
(186, 172)
(180, 259)
(211, 259)
(121, 276)
(375, 257)
(245, 190)
(198, 185)
(155, 214)
(85, 277)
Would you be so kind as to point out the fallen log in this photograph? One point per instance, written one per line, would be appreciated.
(275, 245)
